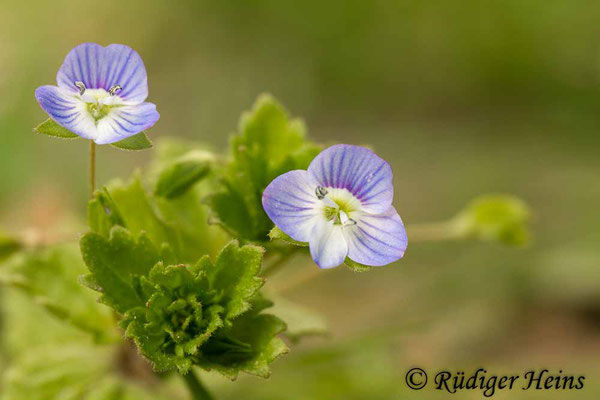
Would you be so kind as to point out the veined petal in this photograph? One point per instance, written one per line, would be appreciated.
(376, 239)
(363, 173)
(328, 246)
(291, 203)
(67, 110)
(104, 67)
(125, 121)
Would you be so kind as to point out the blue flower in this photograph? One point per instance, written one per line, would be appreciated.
(100, 93)
(341, 206)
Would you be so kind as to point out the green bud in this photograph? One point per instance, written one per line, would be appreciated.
(494, 217)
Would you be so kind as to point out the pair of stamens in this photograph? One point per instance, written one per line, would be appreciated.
(321, 194)
(112, 91)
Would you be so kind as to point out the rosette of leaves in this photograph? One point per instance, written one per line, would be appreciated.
(179, 315)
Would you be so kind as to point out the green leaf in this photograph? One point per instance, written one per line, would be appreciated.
(206, 314)
(49, 277)
(234, 276)
(501, 218)
(269, 144)
(135, 142)
(181, 175)
(103, 213)
(277, 233)
(356, 267)
(114, 262)
(250, 344)
(137, 211)
(51, 128)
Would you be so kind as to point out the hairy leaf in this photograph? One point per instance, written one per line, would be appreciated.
(51, 128)
(139, 141)
(277, 233)
(267, 145)
(114, 262)
(249, 345)
(206, 314)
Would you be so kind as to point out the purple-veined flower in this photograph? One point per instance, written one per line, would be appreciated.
(100, 93)
(341, 206)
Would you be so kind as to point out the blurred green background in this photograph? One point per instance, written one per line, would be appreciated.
(462, 98)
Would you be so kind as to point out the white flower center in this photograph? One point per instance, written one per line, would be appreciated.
(339, 205)
(99, 101)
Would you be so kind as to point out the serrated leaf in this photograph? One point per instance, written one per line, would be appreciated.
(277, 233)
(139, 141)
(356, 267)
(249, 345)
(51, 128)
(114, 262)
(268, 144)
(177, 178)
(234, 276)
(49, 278)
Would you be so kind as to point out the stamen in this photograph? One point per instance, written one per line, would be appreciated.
(350, 222)
(81, 87)
(321, 192)
(114, 89)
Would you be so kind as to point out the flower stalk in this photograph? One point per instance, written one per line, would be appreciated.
(92, 182)
(195, 386)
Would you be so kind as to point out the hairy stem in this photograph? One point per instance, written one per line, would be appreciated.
(92, 168)
(196, 388)
(436, 231)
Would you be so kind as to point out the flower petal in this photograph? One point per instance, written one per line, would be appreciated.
(291, 203)
(67, 110)
(377, 239)
(104, 67)
(125, 121)
(366, 175)
(328, 246)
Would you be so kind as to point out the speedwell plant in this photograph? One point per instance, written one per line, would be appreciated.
(178, 255)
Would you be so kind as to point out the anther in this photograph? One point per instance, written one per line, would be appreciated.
(114, 89)
(81, 87)
(321, 192)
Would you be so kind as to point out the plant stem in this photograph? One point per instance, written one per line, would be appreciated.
(92, 168)
(437, 231)
(197, 390)
(280, 262)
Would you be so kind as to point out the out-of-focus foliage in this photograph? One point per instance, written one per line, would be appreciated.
(183, 173)
(50, 277)
(72, 372)
(8, 246)
(499, 218)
